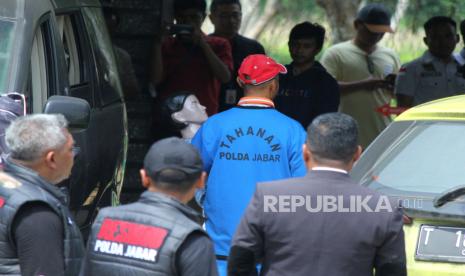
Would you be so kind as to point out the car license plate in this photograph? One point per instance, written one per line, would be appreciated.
(441, 244)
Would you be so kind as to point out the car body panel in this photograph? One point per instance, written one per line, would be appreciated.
(451, 109)
(427, 268)
(388, 149)
(27, 15)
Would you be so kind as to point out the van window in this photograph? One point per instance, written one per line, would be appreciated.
(79, 61)
(426, 158)
(6, 44)
(110, 88)
(43, 77)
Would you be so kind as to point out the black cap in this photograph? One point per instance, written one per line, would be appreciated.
(172, 153)
(376, 18)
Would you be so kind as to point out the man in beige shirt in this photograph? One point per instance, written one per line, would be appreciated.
(364, 71)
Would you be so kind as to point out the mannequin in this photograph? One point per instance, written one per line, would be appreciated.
(184, 112)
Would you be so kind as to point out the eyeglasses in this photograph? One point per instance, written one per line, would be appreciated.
(370, 65)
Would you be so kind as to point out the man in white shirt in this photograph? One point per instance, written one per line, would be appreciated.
(436, 74)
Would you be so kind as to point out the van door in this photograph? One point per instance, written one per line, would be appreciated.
(56, 69)
(111, 116)
(91, 71)
(80, 73)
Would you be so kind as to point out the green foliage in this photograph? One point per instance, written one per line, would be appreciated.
(406, 44)
(292, 9)
(389, 4)
(279, 52)
(291, 13)
(419, 11)
(407, 41)
(297, 8)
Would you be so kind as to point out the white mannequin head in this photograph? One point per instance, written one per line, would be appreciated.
(192, 112)
(186, 113)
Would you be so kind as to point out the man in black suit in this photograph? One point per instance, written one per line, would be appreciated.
(323, 223)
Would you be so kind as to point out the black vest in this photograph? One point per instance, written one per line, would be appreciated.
(26, 187)
(139, 238)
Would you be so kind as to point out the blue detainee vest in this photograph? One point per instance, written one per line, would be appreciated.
(240, 147)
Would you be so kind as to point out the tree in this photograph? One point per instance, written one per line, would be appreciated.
(340, 16)
(401, 8)
(258, 15)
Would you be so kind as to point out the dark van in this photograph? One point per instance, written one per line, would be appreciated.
(55, 52)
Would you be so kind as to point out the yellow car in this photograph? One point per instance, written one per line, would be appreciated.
(419, 161)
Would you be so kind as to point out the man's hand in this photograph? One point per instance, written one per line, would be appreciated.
(370, 84)
(199, 39)
(219, 69)
(376, 83)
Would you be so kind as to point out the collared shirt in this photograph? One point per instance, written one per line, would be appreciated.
(329, 169)
(460, 57)
(346, 62)
(428, 78)
(240, 147)
(255, 101)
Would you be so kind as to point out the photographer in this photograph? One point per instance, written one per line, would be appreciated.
(190, 60)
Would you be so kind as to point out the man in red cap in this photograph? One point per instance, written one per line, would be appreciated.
(246, 144)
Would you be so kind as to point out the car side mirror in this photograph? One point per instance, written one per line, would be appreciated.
(75, 110)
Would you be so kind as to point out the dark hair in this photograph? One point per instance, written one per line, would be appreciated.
(180, 5)
(173, 104)
(462, 27)
(174, 180)
(333, 136)
(308, 30)
(215, 3)
(438, 20)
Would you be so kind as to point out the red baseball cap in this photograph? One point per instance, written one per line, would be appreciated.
(257, 69)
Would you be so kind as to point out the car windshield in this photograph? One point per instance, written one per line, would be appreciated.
(428, 158)
(6, 45)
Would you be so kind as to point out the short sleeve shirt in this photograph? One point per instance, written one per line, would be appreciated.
(460, 57)
(186, 69)
(428, 78)
(348, 63)
(240, 147)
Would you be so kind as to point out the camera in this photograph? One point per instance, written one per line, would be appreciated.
(179, 29)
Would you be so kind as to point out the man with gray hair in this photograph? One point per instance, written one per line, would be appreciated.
(33, 210)
(308, 226)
